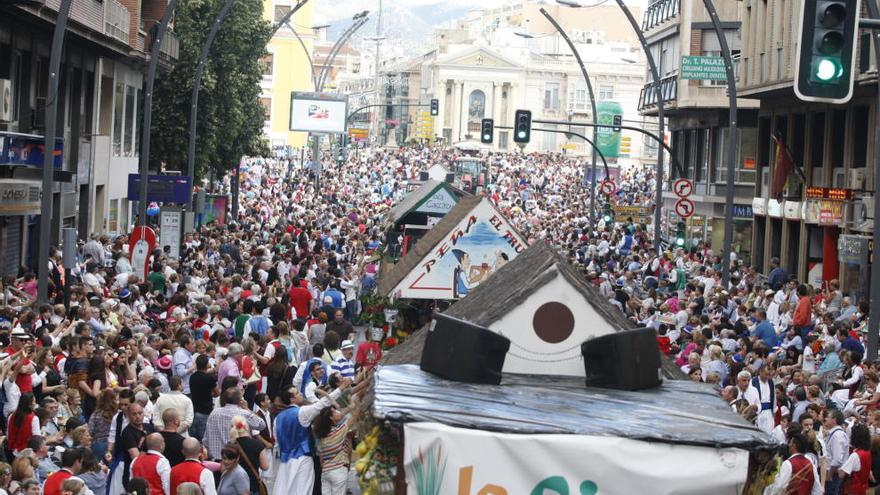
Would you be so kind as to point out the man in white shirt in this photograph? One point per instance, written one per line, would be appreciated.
(836, 448)
(745, 391)
(174, 400)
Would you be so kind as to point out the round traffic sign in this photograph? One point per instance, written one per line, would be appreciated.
(683, 188)
(684, 208)
(608, 187)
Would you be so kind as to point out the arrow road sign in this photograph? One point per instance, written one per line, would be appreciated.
(608, 187)
(684, 208)
(683, 188)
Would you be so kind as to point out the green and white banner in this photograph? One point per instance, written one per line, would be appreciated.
(443, 460)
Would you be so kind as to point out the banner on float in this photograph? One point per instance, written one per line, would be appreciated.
(443, 460)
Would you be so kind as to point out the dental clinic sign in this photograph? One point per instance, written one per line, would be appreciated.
(443, 460)
(703, 68)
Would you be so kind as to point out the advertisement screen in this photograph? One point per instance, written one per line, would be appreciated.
(312, 112)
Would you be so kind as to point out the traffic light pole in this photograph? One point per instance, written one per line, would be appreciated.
(874, 312)
(650, 134)
(580, 62)
(555, 131)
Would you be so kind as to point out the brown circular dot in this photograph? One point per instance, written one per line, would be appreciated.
(553, 322)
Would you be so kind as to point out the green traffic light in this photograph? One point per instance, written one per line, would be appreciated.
(522, 134)
(679, 242)
(827, 69)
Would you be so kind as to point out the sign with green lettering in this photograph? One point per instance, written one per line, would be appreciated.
(703, 68)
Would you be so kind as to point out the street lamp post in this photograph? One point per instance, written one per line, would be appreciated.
(360, 20)
(194, 98)
(148, 109)
(49, 152)
(580, 62)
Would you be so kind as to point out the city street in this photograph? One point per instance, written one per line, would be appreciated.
(422, 247)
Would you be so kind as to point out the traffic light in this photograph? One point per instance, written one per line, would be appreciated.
(608, 215)
(522, 126)
(617, 121)
(680, 234)
(827, 55)
(625, 145)
(487, 131)
(435, 107)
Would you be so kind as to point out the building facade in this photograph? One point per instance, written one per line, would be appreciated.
(286, 69)
(832, 144)
(697, 114)
(99, 104)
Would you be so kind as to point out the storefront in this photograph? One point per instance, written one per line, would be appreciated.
(19, 198)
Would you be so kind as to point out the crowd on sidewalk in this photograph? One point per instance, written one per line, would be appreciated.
(238, 363)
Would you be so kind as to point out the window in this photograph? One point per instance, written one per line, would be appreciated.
(267, 104)
(267, 63)
(551, 96)
(118, 113)
(606, 92)
(128, 132)
(281, 11)
(577, 99)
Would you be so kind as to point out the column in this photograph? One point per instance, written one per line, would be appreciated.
(454, 114)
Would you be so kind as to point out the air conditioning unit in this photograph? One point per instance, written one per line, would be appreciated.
(868, 204)
(838, 177)
(5, 100)
(856, 179)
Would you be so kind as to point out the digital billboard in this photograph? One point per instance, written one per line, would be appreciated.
(317, 112)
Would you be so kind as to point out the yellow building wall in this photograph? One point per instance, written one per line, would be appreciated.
(291, 70)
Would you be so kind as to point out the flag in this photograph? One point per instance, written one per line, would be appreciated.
(784, 167)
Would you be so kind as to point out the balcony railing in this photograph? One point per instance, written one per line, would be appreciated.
(117, 20)
(169, 47)
(660, 11)
(668, 91)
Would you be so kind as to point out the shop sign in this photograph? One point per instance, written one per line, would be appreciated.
(792, 210)
(20, 197)
(853, 249)
(743, 211)
(830, 212)
(774, 208)
(759, 206)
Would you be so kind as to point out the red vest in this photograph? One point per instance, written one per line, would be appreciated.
(188, 471)
(858, 482)
(144, 466)
(801, 476)
(54, 481)
(18, 436)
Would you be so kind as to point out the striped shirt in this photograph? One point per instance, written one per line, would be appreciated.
(334, 449)
(343, 366)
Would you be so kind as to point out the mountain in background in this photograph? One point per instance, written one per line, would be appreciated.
(407, 21)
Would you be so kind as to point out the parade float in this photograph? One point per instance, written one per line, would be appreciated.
(540, 429)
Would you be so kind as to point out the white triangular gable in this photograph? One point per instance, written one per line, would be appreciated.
(479, 57)
(547, 329)
(482, 242)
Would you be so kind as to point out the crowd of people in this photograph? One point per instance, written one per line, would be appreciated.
(236, 368)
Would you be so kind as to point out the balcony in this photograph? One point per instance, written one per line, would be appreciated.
(117, 20)
(668, 91)
(169, 47)
(659, 12)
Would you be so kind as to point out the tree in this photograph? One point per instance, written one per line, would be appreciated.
(230, 116)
